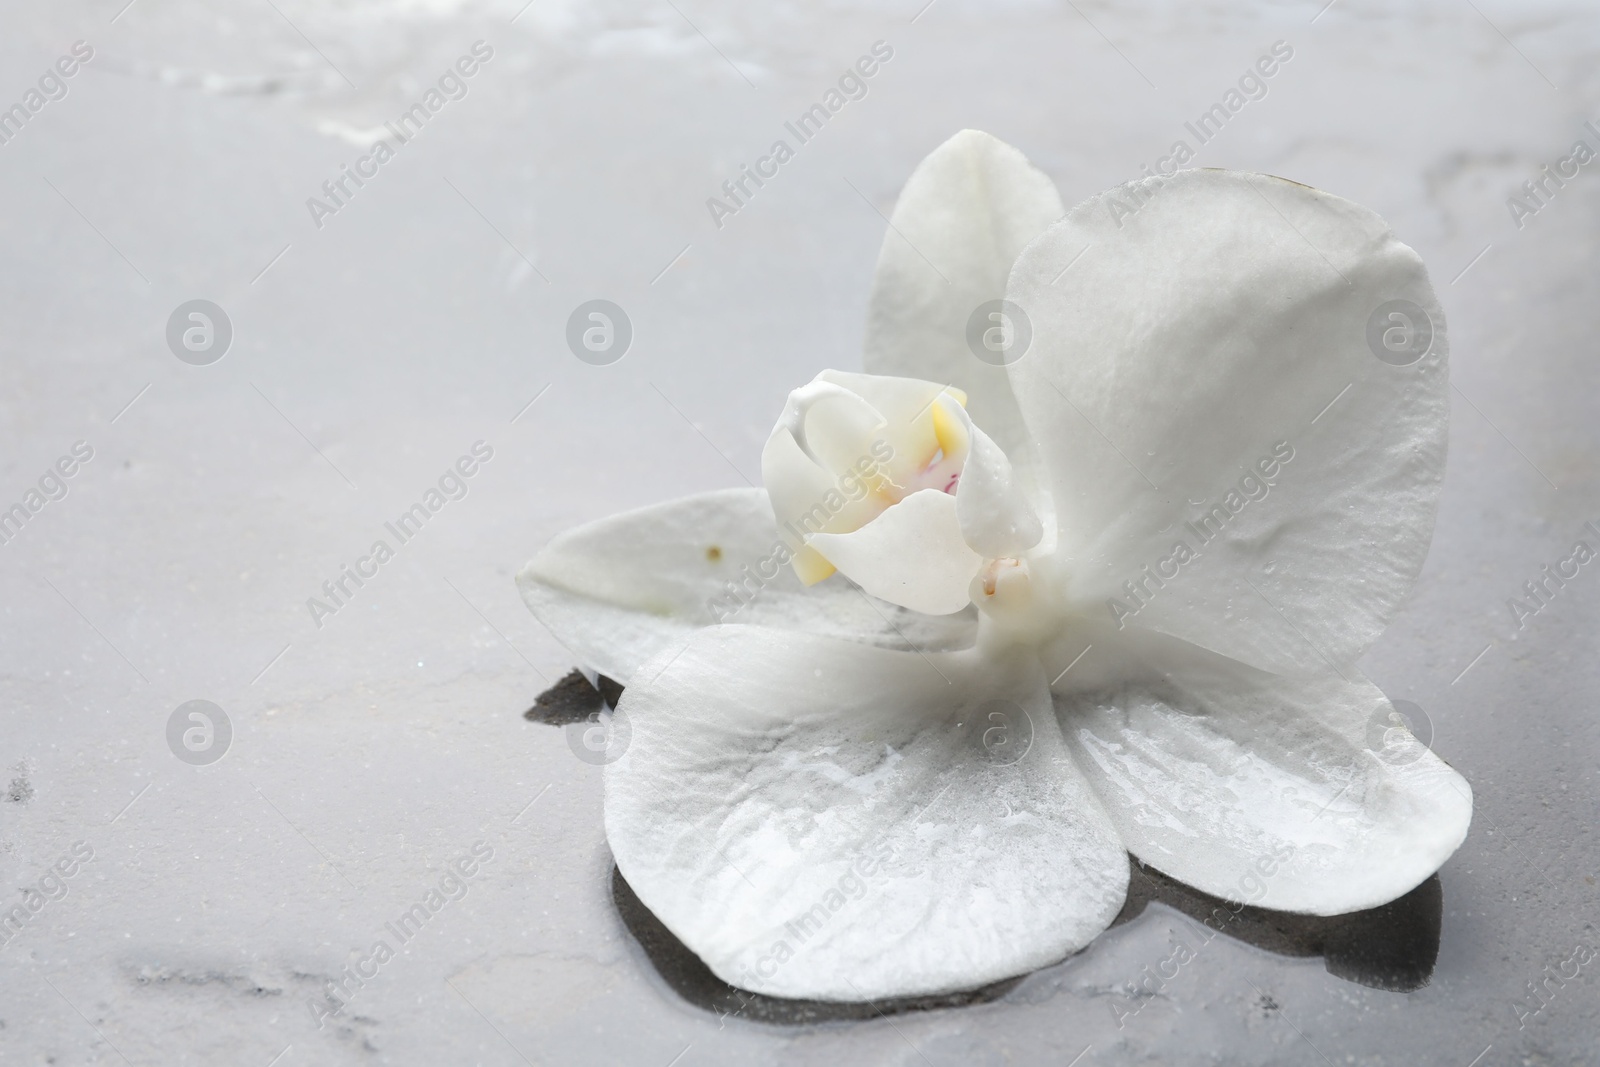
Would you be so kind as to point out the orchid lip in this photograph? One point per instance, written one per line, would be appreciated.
(888, 536)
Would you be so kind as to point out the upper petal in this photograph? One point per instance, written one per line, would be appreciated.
(1284, 793)
(821, 819)
(964, 215)
(1203, 376)
(621, 589)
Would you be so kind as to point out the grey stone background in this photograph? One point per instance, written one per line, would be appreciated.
(370, 752)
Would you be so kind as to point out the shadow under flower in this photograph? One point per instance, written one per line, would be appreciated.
(573, 700)
(1391, 947)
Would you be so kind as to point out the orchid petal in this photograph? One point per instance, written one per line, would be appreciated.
(965, 214)
(1292, 794)
(912, 554)
(795, 485)
(903, 403)
(909, 428)
(992, 506)
(820, 819)
(1209, 374)
(832, 425)
(801, 468)
(619, 590)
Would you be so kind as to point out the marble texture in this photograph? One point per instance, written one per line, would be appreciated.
(371, 752)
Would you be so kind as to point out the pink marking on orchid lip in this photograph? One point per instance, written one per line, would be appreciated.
(950, 486)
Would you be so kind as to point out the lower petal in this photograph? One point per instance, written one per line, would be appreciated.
(1259, 789)
(825, 820)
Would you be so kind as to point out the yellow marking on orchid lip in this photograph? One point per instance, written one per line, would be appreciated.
(950, 432)
(810, 566)
(959, 396)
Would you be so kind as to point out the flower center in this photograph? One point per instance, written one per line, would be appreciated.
(889, 481)
(942, 469)
(1017, 603)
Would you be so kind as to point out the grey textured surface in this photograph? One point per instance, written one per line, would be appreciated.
(383, 744)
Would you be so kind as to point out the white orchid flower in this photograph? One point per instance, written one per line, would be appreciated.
(1182, 513)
